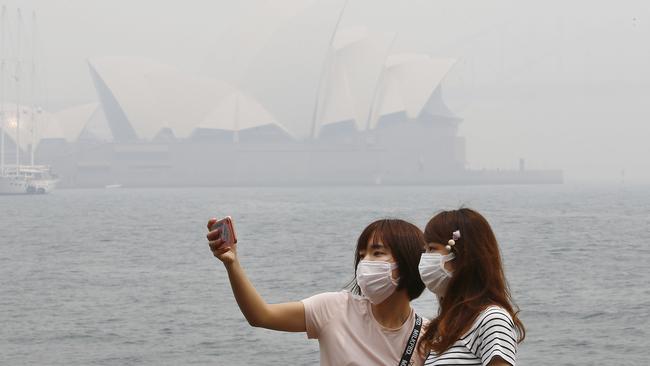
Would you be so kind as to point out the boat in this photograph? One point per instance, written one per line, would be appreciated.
(27, 179)
(17, 178)
(12, 184)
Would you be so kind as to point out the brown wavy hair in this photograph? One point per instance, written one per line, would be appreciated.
(477, 282)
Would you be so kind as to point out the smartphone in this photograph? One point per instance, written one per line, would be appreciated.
(227, 230)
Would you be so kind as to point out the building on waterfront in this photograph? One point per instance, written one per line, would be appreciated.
(378, 118)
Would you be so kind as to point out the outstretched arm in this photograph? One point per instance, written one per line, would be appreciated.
(289, 317)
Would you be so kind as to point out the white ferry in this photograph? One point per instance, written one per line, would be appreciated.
(32, 179)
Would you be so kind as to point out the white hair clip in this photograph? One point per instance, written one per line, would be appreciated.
(454, 236)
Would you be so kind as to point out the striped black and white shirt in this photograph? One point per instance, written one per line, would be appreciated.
(492, 334)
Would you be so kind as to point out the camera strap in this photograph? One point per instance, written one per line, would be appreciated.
(413, 340)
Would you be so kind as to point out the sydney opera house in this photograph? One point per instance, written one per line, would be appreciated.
(376, 117)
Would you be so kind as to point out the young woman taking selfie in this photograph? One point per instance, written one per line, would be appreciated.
(372, 324)
(477, 323)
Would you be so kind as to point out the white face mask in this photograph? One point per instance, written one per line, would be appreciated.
(433, 272)
(375, 280)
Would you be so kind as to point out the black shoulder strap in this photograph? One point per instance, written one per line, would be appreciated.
(413, 340)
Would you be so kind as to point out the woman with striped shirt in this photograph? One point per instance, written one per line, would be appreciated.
(477, 322)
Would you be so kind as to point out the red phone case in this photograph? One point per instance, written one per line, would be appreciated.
(228, 233)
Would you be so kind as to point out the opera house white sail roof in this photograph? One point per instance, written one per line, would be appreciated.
(240, 113)
(356, 64)
(140, 97)
(298, 77)
(86, 121)
(362, 82)
(408, 84)
(365, 82)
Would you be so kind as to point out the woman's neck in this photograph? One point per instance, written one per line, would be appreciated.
(393, 312)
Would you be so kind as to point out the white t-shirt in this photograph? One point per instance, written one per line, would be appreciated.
(492, 334)
(349, 334)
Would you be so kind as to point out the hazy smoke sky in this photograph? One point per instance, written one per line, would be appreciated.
(561, 84)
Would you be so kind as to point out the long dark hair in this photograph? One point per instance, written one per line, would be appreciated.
(406, 243)
(478, 280)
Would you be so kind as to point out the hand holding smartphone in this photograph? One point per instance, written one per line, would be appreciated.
(227, 231)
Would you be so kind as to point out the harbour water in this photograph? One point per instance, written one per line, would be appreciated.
(124, 276)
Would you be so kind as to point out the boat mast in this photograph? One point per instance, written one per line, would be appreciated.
(2, 90)
(18, 90)
(33, 90)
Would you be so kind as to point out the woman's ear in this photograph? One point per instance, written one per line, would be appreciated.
(394, 274)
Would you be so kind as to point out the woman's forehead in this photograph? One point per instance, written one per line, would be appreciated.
(376, 241)
(375, 237)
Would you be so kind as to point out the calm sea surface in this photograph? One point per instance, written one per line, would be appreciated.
(124, 276)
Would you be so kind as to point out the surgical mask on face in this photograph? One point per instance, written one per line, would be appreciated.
(433, 272)
(375, 280)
